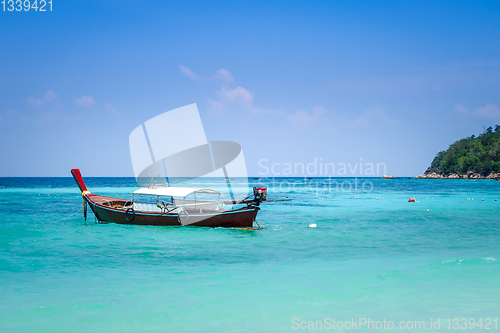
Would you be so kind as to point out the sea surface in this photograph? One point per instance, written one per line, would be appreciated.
(372, 256)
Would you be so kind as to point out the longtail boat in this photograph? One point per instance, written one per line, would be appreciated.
(174, 206)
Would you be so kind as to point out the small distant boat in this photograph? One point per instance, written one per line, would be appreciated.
(169, 206)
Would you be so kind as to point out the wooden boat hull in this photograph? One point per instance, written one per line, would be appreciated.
(104, 212)
(116, 210)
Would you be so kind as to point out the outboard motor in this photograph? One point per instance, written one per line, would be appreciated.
(260, 194)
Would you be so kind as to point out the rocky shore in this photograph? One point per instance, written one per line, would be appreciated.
(469, 175)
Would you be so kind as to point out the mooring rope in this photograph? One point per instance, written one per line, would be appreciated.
(257, 220)
(67, 217)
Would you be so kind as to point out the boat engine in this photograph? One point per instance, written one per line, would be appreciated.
(260, 194)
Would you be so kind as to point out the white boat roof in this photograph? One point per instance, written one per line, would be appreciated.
(173, 191)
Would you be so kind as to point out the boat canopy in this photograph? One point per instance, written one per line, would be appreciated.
(173, 191)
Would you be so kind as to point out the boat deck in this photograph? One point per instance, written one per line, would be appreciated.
(110, 201)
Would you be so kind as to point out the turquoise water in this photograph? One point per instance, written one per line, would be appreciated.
(368, 258)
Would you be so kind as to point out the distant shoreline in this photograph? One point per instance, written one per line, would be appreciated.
(468, 175)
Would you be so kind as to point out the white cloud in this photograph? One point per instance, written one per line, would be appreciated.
(232, 99)
(488, 111)
(224, 76)
(50, 95)
(111, 108)
(302, 117)
(462, 109)
(238, 99)
(375, 114)
(85, 101)
(47, 97)
(216, 105)
(238, 95)
(189, 73)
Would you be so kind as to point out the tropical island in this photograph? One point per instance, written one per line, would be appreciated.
(469, 158)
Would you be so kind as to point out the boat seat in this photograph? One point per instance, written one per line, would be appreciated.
(162, 205)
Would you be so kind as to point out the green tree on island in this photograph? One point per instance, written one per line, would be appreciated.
(479, 154)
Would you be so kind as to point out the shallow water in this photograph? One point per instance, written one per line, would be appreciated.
(371, 258)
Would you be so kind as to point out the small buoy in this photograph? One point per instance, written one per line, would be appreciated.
(313, 225)
(427, 210)
(482, 199)
(48, 195)
(426, 198)
(472, 199)
(495, 199)
(68, 196)
(411, 200)
(376, 198)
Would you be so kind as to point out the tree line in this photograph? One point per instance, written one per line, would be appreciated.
(479, 154)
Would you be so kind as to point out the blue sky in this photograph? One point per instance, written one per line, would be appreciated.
(389, 82)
